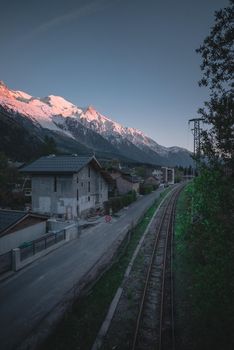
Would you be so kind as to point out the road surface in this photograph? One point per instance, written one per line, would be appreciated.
(33, 293)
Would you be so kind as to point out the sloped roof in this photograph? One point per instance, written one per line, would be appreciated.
(131, 178)
(9, 218)
(108, 178)
(59, 164)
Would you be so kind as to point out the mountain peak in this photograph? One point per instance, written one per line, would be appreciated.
(3, 87)
(57, 114)
(3, 84)
(59, 102)
(91, 109)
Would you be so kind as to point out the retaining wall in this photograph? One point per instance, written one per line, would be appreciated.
(15, 239)
(71, 232)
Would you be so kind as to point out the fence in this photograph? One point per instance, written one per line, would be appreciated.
(31, 248)
(5, 262)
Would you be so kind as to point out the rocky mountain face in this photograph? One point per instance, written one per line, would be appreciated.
(80, 130)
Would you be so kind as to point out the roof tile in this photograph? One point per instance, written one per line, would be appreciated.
(57, 164)
(10, 217)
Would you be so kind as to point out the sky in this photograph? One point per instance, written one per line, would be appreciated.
(132, 60)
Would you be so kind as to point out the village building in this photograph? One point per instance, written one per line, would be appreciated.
(152, 181)
(17, 227)
(67, 186)
(164, 175)
(124, 182)
(168, 175)
(157, 173)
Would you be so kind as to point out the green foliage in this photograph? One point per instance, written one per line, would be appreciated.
(217, 52)
(146, 189)
(218, 141)
(9, 176)
(205, 239)
(188, 170)
(3, 170)
(141, 171)
(49, 146)
(205, 243)
(217, 66)
(117, 203)
(15, 138)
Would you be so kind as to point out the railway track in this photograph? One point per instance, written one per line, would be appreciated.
(155, 324)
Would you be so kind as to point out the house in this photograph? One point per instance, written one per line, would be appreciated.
(17, 227)
(168, 175)
(151, 181)
(157, 173)
(165, 175)
(67, 186)
(125, 182)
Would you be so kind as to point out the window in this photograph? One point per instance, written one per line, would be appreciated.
(55, 183)
(88, 186)
(77, 194)
(65, 183)
(77, 179)
(88, 198)
(89, 171)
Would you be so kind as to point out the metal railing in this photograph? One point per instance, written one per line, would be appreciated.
(31, 248)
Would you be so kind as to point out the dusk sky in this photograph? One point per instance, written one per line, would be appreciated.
(133, 60)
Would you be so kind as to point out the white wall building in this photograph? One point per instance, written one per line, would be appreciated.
(157, 173)
(67, 186)
(168, 175)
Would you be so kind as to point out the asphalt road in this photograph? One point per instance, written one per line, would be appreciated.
(31, 294)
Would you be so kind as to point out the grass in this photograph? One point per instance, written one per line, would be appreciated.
(182, 280)
(203, 276)
(79, 327)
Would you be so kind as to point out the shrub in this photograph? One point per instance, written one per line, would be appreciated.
(146, 189)
(117, 203)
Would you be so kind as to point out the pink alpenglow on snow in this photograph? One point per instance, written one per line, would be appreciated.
(52, 111)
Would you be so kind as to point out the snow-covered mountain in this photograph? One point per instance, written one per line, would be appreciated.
(88, 127)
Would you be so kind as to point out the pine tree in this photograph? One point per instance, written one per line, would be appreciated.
(218, 66)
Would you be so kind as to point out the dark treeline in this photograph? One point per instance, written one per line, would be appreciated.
(207, 240)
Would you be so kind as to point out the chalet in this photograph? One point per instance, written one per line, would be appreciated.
(125, 182)
(67, 186)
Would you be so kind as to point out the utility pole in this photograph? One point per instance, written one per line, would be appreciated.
(196, 130)
(196, 136)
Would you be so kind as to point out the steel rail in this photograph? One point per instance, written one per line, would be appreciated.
(170, 230)
(143, 298)
(172, 279)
